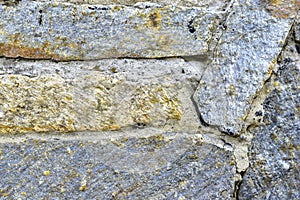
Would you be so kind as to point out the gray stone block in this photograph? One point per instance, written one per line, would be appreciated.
(274, 154)
(64, 31)
(161, 166)
(243, 60)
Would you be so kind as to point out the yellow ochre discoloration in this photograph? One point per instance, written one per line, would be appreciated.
(154, 19)
(283, 8)
(50, 104)
(146, 100)
(34, 104)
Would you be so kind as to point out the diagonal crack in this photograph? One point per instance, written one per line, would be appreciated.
(262, 93)
(260, 97)
(228, 11)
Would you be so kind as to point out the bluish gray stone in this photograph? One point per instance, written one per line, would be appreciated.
(64, 31)
(74, 169)
(275, 151)
(243, 60)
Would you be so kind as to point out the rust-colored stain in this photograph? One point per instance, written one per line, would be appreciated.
(283, 8)
(15, 48)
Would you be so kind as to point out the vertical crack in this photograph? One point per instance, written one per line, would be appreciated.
(237, 185)
(198, 113)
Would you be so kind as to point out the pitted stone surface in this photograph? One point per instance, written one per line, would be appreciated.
(243, 60)
(64, 31)
(35, 169)
(275, 151)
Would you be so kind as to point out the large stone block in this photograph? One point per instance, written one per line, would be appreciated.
(46, 96)
(243, 59)
(64, 31)
(274, 154)
(160, 166)
(147, 141)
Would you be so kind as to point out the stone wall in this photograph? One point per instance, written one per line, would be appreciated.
(145, 99)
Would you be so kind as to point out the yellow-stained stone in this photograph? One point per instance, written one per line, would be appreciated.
(144, 103)
(283, 8)
(91, 102)
(35, 104)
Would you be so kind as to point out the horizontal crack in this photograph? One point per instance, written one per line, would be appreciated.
(186, 58)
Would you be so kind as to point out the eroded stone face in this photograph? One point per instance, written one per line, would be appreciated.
(35, 104)
(244, 59)
(242, 38)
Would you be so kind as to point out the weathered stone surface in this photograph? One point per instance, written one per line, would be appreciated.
(98, 95)
(275, 152)
(63, 31)
(151, 144)
(195, 3)
(178, 167)
(244, 58)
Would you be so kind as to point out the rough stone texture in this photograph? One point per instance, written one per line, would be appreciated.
(59, 169)
(275, 152)
(150, 141)
(243, 60)
(232, 34)
(194, 3)
(98, 95)
(99, 31)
